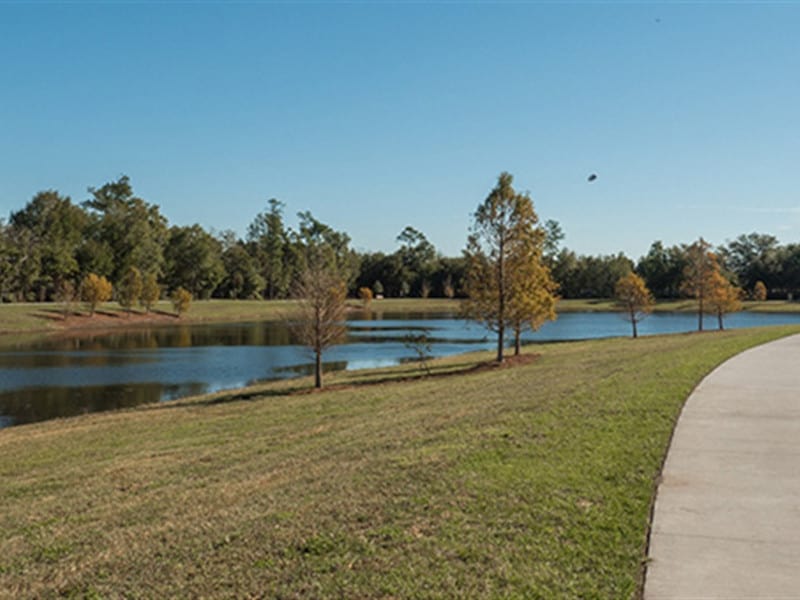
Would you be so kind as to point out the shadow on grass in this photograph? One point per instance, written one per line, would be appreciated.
(366, 379)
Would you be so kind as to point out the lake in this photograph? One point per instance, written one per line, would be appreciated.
(62, 376)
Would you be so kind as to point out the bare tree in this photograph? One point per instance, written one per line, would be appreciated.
(321, 297)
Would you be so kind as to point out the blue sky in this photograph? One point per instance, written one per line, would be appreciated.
(375, 116)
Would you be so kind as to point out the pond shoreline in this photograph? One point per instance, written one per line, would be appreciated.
(48, 317)
(96, 369)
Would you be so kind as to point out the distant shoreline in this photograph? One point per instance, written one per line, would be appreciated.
(48, 317)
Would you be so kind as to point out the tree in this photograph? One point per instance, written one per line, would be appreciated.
(65, 294)
(532, 300)
(20, 263)
(420, 345)
(270, 240)
(448, 290)
(56, 227)
(242, 279)
(503, 239)
(753, 257)
(365, 294)
(553, 236)
(126, 231)
(5, 260)
(95, 289)
(181, 301)
(321, 301)
(759, 291)
(698, 275)
(662, 270)
(129, 289)
(319, 246)
(634, 298)
(723, 297)
(151, 291)
(790, 271)
(417, 260)
(193, 260)
(588, 276)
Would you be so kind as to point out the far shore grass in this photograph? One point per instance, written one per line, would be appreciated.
(526, 481)
(25, 318)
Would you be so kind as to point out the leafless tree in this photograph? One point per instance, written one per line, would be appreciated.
(321, 297)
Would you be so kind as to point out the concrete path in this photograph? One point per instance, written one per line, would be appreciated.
(727, 514)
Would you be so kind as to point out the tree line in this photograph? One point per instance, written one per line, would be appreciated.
(511, 271)
(50, 247)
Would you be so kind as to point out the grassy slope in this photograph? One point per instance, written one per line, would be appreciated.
(533, 481)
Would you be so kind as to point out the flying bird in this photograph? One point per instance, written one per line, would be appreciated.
(591, 177)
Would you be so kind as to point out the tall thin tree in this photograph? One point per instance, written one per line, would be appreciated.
(698, 275)
(504, 238)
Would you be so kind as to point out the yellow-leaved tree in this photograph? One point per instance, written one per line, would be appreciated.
(634, 299)
(532, 298)
(724, 297)
(95, 290)
(507, 285)
(759, 291)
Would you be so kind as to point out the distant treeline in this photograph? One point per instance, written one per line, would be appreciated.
(52, 241)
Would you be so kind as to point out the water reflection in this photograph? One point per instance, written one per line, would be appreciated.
(53, 377)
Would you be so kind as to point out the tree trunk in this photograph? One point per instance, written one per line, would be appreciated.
(318, 370)
(719, 318)
(500, 342)
(700, 315)
(517, 341)
(635, 333)
(501, 306)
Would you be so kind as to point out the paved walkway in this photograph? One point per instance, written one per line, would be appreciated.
(727, 514)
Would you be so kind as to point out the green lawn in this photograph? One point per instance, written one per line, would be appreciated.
(526, 482)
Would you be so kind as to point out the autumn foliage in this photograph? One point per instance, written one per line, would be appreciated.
(95, 290)
(365, 295)
(507, 285)
(724, 297)
(634, 298)
(759, 291)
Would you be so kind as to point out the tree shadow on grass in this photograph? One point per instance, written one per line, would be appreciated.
(366, 379)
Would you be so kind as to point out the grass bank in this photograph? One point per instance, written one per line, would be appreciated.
(686, 305)
(49, 317)
(531, 482)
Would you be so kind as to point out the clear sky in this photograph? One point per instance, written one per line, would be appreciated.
(375, 116)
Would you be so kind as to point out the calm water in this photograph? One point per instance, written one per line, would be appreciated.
(56, 377)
